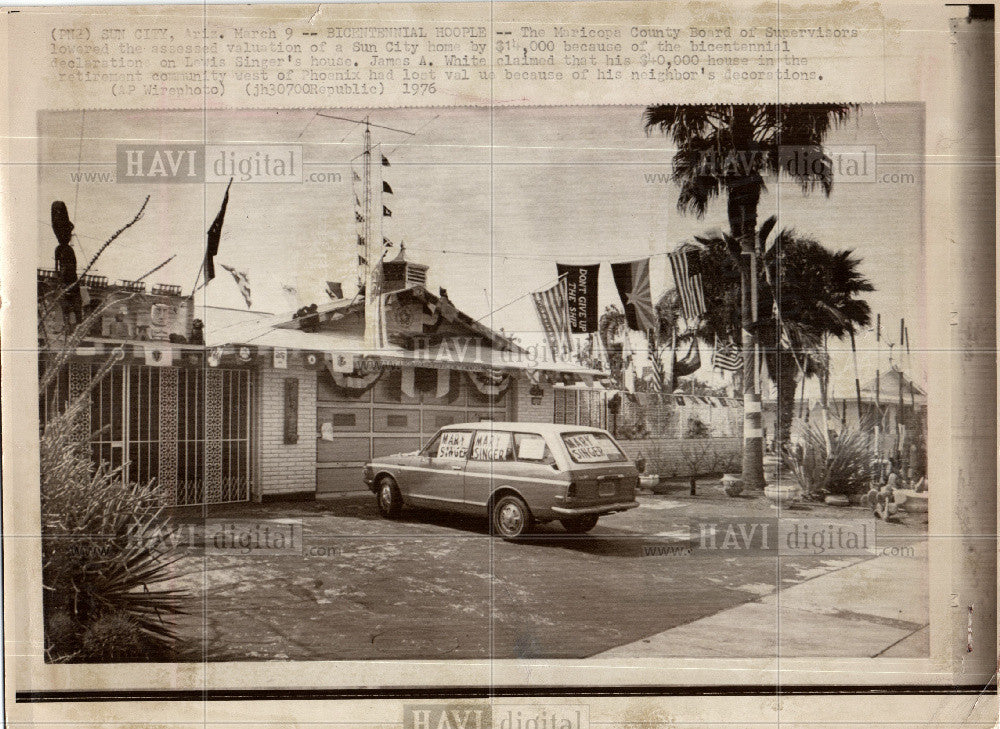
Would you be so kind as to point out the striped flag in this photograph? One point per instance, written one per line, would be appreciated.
(376, 337)
(686, 267)
(727, 357)
(552, 305)
(242, 280)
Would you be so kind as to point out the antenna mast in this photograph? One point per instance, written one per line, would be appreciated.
(366, 181)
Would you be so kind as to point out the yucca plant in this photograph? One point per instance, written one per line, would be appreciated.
(105, 541)
(838, 466)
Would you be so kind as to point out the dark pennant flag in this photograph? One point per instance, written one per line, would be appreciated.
(386, 212)
(214, 234)
(386, 188)
(581, 286)
(385, 161)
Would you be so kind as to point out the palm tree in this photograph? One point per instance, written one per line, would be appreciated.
(729, 148)
(817, 292)
(611, 328)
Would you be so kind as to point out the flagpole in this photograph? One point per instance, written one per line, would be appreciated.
(857, 380)
(194, 286)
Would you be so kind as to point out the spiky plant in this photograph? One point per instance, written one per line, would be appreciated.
(838, 465)
(106, 550)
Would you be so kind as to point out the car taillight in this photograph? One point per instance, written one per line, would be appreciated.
(571, 490)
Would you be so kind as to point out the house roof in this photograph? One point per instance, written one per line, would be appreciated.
(230, 326)
(890, 384)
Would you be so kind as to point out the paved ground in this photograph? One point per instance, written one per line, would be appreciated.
(433, 585)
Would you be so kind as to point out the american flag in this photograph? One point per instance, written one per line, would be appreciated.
(686, 268)
(727, 357)
(552, 305)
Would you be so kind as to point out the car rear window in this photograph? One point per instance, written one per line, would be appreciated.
(592, 448)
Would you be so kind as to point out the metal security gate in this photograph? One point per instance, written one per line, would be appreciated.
(187, 428)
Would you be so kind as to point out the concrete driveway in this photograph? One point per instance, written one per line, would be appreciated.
(347, 584)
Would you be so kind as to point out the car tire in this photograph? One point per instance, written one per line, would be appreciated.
(510, 517)
(387, 496)
(580, 524)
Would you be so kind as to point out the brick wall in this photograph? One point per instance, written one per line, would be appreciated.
(524, 410)
(286, 468)
(679, 457)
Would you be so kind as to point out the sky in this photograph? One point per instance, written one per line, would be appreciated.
(489, 199)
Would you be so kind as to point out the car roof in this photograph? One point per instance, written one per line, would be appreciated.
(541, 428)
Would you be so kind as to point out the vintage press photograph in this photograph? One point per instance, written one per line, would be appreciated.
(572, 382)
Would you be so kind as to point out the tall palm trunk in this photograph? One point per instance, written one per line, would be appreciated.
(787, 384)
(743, 196)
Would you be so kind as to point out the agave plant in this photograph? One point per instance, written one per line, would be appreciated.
(837, 464)
(106, 550)
(104, 557)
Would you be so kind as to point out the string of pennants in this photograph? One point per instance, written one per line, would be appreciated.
(363, 208)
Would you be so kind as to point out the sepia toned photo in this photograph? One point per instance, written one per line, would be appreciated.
(532, 438)
(529, 365)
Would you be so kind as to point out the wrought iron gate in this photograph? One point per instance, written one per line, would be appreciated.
(188, 428)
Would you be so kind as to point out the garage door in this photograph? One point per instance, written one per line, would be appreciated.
(399, 413)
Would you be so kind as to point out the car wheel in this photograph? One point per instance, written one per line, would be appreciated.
(511, 517)
(390, 503)
(580, 524)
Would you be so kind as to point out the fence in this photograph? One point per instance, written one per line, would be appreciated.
(682, 457)
(642, 415)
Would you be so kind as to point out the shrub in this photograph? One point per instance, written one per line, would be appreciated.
(103, 555)
(843, 468)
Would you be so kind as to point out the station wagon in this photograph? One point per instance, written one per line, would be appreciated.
(517, 474)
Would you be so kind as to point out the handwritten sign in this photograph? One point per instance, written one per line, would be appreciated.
(454, 444)
(491, 446)
(585, 448)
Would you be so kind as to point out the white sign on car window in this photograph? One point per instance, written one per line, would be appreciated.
(585, 448)
(491, 445)
(530, 448)
(454, 444)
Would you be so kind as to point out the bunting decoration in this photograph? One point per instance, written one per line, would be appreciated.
(385, 161)
(355, 384)
(242, 281)
(552, 307)
(386, 242)
(727, 357)
(581, 294)
(358, 217)
(686, 267)
(214, 235)
(385, 188)
(334, 290)
(386, 212)
(492, 383)
(632, 282)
